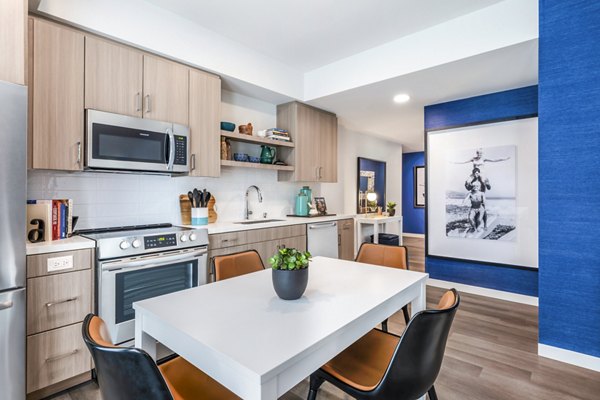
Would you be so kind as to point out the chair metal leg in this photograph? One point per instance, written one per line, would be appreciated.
(384, 326)
(315, 384)
(406, 314)
(432, 394)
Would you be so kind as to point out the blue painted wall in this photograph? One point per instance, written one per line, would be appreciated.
(413, 218)
(515, 103)
(569, 162)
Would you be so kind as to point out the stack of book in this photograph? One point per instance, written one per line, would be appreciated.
(57, 215)
(278, 134)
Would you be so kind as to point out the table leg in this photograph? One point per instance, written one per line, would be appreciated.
(419, 303)
(142, 339)
(400, 231)
(376, 233)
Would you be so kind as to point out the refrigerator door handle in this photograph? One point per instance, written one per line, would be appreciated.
(6, 304)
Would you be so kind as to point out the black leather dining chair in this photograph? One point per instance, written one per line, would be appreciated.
(126, 373)
(384, 366)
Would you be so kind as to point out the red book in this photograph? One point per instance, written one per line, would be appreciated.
(55, 220)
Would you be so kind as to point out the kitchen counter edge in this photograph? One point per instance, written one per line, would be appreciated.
(72, 243)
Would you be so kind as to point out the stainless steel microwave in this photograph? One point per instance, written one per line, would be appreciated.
(121, 143)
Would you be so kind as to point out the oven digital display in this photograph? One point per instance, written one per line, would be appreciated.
(153, 242)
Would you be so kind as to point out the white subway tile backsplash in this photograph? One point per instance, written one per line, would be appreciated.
(105, 199)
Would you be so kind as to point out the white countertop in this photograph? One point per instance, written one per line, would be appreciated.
(232, 226)
(69, 244)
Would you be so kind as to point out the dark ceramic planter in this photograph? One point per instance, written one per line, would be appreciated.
(392, 212)
(290, 285)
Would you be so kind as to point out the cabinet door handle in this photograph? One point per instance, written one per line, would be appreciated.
(193, 162)
(317, 173)
(147, 103)
(229, 240)
(79, 153)
(54, 303)
(138, 102)
(339, 240)
(320, 174)
(61, 356)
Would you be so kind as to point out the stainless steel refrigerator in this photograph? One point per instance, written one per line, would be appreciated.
(13, 192)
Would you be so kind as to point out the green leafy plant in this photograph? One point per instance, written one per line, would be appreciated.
(290, 259)
(391, 205)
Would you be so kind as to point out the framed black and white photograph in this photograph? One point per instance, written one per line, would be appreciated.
(320, 205)
(482, 193)
(419, 189)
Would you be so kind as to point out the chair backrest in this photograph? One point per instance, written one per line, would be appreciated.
(236, 264)
(418, 358)
(123, 373)
(381, 254)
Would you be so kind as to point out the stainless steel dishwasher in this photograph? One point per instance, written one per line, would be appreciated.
(322, 239)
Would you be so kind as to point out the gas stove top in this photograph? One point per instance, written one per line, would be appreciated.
(127, 241)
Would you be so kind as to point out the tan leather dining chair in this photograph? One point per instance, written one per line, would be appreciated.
(384, 366)
(236, 264)
(387, 256)
(126, 373)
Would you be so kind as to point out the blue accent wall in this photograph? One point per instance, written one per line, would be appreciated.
(413, 218)
(509, 104)
(569, 154)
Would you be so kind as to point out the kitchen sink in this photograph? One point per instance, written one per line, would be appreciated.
(258, 221)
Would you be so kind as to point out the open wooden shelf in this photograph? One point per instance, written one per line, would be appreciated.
(231, 163)
(255, 139)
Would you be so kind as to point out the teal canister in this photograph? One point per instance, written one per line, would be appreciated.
(307, 192)
(301, 205)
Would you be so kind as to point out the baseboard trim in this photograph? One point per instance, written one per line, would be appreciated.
(569, 357)
(414, 235)
(493, 293)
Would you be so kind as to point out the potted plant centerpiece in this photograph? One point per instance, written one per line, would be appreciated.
(290, 272)
(391, 208)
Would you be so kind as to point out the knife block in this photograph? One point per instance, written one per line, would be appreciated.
(186, 210)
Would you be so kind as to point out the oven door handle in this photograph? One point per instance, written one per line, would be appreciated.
(171, 149)
(152, 262)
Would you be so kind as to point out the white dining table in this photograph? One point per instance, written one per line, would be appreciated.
(259, 346)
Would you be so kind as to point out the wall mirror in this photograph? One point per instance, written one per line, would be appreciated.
(370, 185)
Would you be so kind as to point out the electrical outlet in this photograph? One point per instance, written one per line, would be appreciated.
(60, 263)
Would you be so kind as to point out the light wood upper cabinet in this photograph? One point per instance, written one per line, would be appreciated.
(57, 98)
(314, 133)
(13, 41)
(166, 89)
(204, 118)
(113, 77)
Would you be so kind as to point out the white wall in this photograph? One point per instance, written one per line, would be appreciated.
(106, 199)
(341, 196)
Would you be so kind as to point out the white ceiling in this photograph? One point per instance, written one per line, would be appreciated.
(306, 34)
(370, 109)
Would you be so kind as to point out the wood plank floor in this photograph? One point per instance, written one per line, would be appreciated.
(491, 354)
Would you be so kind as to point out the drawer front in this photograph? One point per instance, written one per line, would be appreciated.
(58, 300)
(222, 240)
(282, 232)
(56, 355)
(297, 242)
(38, 265)
(346, 224)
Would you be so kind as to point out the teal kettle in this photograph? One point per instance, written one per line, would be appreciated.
(267, 154)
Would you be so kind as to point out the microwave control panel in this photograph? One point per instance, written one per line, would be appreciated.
(180, 150)
(155, 242)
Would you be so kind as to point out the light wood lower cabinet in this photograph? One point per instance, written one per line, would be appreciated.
(57, 303)
(346, 239)
(55, 356)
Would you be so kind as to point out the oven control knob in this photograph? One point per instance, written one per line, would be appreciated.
(124, 245)
(193, 236)
(183, 238)
(136, 243)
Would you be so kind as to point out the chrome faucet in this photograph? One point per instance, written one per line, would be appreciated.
(247, 212)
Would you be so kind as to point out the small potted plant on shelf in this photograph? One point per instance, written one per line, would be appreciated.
(290, 272)
(391, 208)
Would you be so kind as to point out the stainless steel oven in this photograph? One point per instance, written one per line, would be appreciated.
(122, 143)
(141, 263)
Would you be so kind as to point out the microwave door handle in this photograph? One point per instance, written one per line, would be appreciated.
(171, 149)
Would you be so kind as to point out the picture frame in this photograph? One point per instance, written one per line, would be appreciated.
(321, 205)
(419, 186)
(481, 193)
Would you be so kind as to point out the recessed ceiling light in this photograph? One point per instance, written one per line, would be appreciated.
(401, 98)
